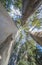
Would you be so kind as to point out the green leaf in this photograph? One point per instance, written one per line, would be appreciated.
(36, 22)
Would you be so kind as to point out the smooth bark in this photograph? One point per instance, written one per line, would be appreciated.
(8, 31)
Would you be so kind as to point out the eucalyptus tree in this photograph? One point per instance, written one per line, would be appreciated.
(25, 49)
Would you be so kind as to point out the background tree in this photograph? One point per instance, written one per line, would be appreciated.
(25, 49)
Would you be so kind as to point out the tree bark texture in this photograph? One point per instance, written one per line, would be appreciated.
(7, 35)
(28, 8)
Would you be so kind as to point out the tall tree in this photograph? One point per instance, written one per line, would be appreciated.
(29, 6)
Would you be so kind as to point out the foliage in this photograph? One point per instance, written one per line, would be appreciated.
(22, 62)
(6, 4)
(18, 3)
(3, 1)
(25, 51)
(36, 22)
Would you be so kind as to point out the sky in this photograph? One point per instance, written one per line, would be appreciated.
(15, 12)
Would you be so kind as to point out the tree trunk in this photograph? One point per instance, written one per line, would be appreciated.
(37, 36)
(7, 36)
(29, 6)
